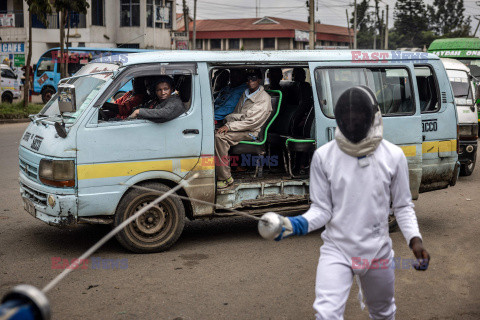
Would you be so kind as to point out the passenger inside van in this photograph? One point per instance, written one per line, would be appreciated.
(250, 114)
(163, 106)
(228, 96)
(275, 75)
(124, 105)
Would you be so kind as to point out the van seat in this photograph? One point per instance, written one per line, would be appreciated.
(259, 146)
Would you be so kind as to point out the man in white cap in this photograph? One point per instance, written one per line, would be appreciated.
(353, 181)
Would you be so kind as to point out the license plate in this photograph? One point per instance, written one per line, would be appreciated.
(29, 206)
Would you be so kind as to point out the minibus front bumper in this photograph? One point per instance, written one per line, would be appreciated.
(467, 151)
(50, 205)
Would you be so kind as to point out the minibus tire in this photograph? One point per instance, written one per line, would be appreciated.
(141, 235)
(392, 223)
(467, 169)
(7, 97)
(47, 94)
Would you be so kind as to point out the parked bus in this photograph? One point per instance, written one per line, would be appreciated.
(47, 69)
(77, 166)
(465, 50)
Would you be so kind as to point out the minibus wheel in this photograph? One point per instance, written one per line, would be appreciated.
(467, 169)
(157, 229)
(7, 97)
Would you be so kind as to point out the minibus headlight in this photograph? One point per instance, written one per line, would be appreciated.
(58, 173)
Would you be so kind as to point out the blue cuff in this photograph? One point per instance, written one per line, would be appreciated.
(299, 225)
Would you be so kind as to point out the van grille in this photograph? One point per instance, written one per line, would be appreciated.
(29, 169)
(444, 97)
(36, 196)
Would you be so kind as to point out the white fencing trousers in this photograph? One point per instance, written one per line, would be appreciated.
(335, 277)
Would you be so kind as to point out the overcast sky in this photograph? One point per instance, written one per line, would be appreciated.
(329, 11)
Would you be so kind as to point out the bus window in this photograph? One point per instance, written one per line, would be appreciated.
(390, 85)
(46, 63)
(427, 89)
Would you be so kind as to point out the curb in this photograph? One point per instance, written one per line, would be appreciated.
(6, 121)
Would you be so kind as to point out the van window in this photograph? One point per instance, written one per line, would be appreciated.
(460, 84)
(144, 77)
(427, 89)
(390, 85)
(8, 74)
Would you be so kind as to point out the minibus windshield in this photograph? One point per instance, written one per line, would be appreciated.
(87, 86)
(461, 86)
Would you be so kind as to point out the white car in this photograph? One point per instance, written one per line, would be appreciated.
(9, 84)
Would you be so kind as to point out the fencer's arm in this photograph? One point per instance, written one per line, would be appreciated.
(402, 201)
(320, 211)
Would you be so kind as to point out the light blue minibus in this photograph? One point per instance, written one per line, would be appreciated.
(76, 166)
(47, 71)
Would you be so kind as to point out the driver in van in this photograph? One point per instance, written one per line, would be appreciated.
(251, 112)
(164, 106)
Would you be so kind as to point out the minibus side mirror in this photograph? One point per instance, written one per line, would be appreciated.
(66, 98)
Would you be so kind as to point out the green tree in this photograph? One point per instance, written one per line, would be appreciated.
(65, 8)
(410, 23)
(447, 18)
(40, 8)
(365, 25)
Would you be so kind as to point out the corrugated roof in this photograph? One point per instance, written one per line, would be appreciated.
(249, 24)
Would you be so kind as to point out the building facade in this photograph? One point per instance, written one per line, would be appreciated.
(267, 33)
(107, 23)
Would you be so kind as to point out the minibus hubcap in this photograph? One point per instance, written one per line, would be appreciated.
(151, 221)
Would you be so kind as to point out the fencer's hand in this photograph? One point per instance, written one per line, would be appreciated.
(420, 253)
(222, 129)
(287, 229)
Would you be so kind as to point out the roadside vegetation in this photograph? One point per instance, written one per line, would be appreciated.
(17, 111)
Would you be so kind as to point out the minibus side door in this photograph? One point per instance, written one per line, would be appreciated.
(439, 126)
(401, 117)
(129, 151)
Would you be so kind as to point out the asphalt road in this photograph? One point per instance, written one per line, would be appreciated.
(223, 269)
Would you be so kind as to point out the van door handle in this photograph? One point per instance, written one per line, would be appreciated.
(192, 131)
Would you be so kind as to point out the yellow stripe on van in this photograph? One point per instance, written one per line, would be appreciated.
(108, 170)
(410, 151)
(439, 146)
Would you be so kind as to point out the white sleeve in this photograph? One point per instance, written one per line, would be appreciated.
(320, 211)
(402, 201)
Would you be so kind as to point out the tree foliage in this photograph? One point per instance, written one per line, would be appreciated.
(40, 8)
(65, 8)
(411, 22)
(365, 25)
(447, 18)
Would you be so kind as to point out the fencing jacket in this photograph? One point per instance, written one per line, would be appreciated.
(353, 200)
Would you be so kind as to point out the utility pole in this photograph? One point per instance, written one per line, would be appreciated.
(381, 32)
(194, 41)
(311, 8)
(386, 30)
(186, 22)
(355, 24)
(349, 35)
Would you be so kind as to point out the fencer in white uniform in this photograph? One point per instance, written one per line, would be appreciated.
(353, 181)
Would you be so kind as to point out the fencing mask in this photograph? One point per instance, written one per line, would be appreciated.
(355, 112)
